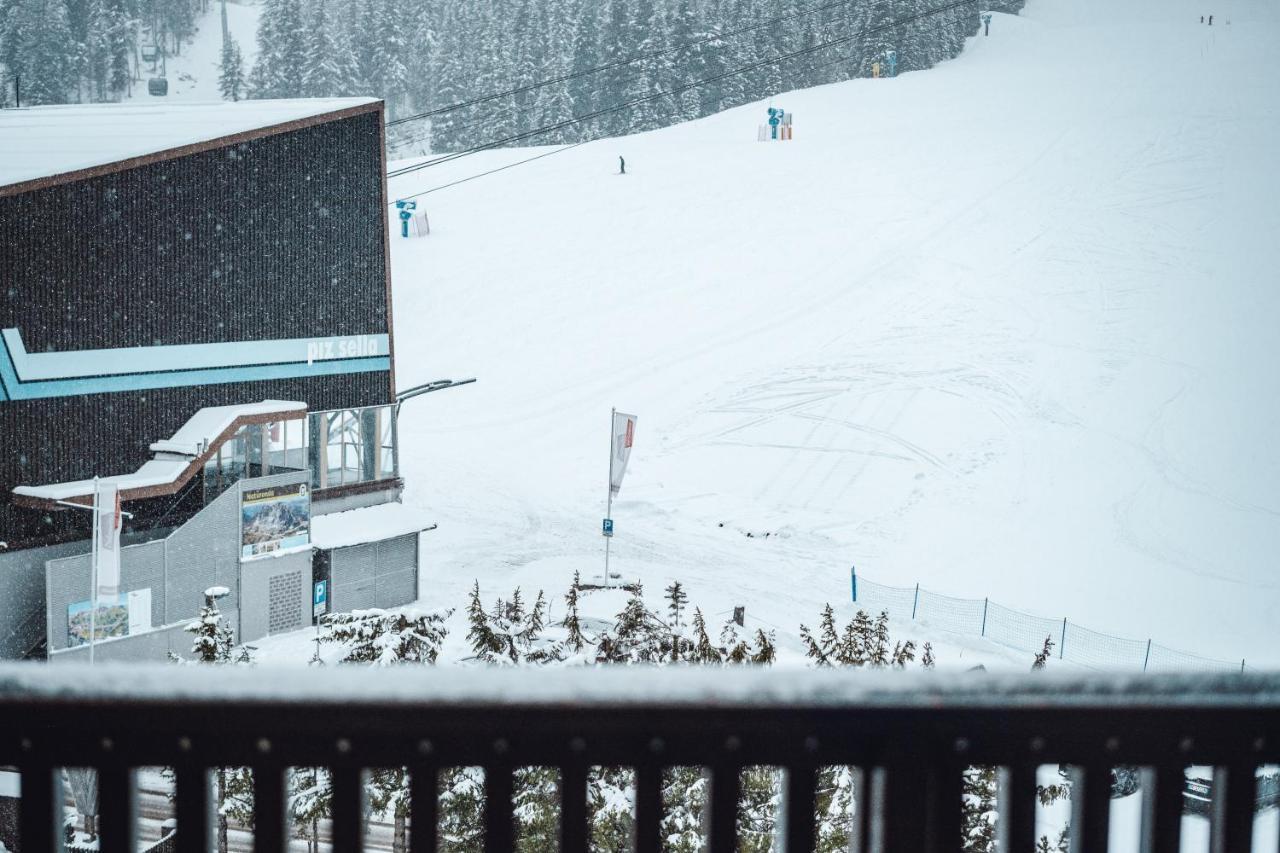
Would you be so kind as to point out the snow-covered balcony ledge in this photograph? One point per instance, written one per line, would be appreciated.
(911, 735)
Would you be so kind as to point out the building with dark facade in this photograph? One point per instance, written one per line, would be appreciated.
(195, 305)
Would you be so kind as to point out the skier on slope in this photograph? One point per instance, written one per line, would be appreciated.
(622, 165)
(1211, 20)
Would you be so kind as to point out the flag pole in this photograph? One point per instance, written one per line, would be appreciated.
(93, 573)
(608, 512)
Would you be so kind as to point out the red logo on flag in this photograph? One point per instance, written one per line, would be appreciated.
(631, 430)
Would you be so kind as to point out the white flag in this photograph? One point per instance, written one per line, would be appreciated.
(107, 546)
(624, 433)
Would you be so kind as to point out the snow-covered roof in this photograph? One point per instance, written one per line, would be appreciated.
(174, 456)
(207, 424)
(369, 524)
(39, 142)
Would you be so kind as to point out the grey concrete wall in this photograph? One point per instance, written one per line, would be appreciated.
(275, 594)
(22, 574)
(202, 553)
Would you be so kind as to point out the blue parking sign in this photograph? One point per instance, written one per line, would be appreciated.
(319, 598)
(608, 527)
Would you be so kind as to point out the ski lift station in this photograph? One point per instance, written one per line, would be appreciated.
(195, 309)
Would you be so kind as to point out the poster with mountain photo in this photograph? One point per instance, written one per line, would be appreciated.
(274, 519)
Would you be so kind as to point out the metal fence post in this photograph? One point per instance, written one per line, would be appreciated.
(985, 602)
(1147, 659)
(1242, 664)
(1062, 647)
(915, 603)
(853, 581)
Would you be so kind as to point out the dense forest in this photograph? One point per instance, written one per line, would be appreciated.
(422, 55)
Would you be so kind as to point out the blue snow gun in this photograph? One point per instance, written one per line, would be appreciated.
(775, 119)
(406, 215)
(891, 57)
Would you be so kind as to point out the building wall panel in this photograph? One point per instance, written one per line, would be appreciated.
(280, 237)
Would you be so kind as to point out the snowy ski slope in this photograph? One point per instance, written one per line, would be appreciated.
(1006, 328)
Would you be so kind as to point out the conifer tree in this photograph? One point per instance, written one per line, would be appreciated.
(1042, 656)
(322, 71)
(484, 641)
(850, 651)
(389, 792)
(703, 650)
(388, 77)
(878, 650)
(231, 82)
(978, 810)
(903, 654)
(575, 640)
(927, 660)
(211, 640)
(39, 47)
(677, 601)
(826, 647)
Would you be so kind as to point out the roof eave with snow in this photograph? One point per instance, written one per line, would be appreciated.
(52, 145)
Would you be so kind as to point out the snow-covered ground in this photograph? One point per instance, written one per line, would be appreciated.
(193, 74)
(1005, 328)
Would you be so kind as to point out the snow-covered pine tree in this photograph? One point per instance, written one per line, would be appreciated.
(231, 82)
(388, 789)
(878, 649)
(484, 640)
(572, 624)
(903, 654)
(39, 47)
(684, 805)
(704, 651)
(825, 648)
(638, 635)
(677, 604)
(96, 51)
(609, 810)
(649, 77)
(277, 72)
(461, 815)
(310, 801)
(734, 649)
(758, 805)
(420, 57)
(927, 660)
(693, 64)
(389, 77)
(322, 72)
(581, 91)
(615, 49)
(850, 651)
(386, 638)
(452, 85)
(978, 812)
(1042, 656)
(211, 641)
(536, 801)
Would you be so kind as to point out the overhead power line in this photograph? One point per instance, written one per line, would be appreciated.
(678, 89)
(631, 60)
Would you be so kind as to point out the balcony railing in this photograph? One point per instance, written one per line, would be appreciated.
(912, 735)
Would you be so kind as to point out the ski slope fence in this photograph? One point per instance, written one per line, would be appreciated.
(1016, 630)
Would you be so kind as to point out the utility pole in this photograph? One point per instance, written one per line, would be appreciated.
(226, 33)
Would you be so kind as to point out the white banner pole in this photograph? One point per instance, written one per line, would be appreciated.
(93, 574)
(608, 512)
